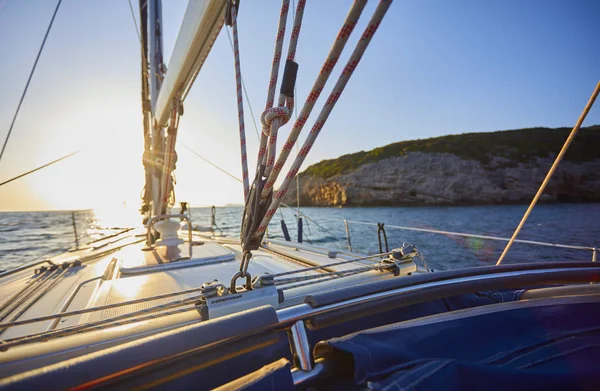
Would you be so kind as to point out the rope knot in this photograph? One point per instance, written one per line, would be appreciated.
(266, 118)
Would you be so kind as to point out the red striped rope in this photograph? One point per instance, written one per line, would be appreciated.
(285, 5)
(240, 101)
(168, 164)
(355, 57)
(315, 92)
(284, 100)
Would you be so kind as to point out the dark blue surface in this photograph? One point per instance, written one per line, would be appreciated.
(414, 312)
(550, 347)
(173, 352)
(275, 376)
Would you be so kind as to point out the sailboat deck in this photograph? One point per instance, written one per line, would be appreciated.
(115, 306)
(121, 269)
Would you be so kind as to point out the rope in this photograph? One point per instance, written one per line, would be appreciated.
(266, 128)
(297, 149)
(313, 282)
(37, 58)
(54, 252)
(307, 269)
(39, 168)
(240, 101)
(99, 308)
(138, 316)
(22, 297)
(327, 108)
(272, 119)
(244, 89)
(259, 205)
(551, 171)
(328, 276)
(56, 279)
(10, 303)
(315, 92)
(168, 192)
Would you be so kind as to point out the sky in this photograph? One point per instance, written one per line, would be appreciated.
(435, 67)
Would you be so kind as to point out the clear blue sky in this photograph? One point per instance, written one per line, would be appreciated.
(434, 68)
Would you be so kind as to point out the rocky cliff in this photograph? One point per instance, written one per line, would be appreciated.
(476, 168)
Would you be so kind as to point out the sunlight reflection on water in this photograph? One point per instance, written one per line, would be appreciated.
(26, 236)
(123, 216)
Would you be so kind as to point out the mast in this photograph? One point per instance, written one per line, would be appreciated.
(163, 92)
(155, 51)
(146, 111)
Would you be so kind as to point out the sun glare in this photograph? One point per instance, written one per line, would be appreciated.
(128, 288)
(106, 175)
(118, 215)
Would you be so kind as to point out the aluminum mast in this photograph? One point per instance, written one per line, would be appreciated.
(155, 52)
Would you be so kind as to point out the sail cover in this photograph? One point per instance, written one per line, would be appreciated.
(524, 347)
(201, 24)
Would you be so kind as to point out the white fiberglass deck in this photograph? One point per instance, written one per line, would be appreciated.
(122, 269)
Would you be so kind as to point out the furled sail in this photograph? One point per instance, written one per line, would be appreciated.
(201, 24)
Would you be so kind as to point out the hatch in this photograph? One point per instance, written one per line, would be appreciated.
(171, 257)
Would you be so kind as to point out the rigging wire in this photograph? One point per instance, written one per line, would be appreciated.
(29, 79)
(137, 29)
(39, 168)
(562, 152)
(208, 161)
(239, 180)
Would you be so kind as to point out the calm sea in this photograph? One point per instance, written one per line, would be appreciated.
(26, 236)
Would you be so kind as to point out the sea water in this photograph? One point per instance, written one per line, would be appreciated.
(27, 236)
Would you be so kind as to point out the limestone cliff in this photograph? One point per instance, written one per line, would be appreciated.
(506, 171)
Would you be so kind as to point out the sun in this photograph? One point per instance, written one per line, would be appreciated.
(106, 173)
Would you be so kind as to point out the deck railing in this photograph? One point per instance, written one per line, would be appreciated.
(347, 223)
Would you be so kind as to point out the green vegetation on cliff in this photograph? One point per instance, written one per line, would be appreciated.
(518, 146)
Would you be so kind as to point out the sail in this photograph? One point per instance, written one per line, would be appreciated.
(201, 24)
